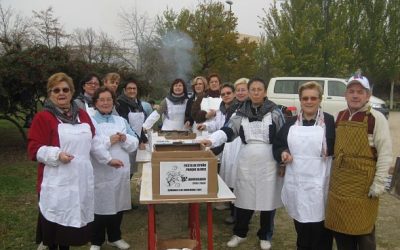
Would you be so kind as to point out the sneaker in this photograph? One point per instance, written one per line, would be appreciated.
(230, 220)
(120, 244)
(235, 241)
(42, 247)
(265, 244)
(222, 206)
(95, 247)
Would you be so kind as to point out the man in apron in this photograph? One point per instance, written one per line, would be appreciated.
(363, 155)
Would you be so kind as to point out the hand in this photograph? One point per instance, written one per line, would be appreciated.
(201, 127)
(122, 137)
(281, 170)
(65, 157)
(187, 125)
(205, 143)
(115, 163)
(142, 146)
(114, 139)
(375, 190)
(211, 113)
(286, 157)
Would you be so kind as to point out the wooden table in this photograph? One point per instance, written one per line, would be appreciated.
(146, 197)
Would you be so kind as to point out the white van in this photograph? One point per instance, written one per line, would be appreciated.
(284, 91)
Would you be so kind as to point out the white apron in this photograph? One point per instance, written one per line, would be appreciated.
(258, 186)
(306, 179)
(228, 161)
(90, 110)
(136, 120)
(66, 195)
(112, 190)
(176, 116)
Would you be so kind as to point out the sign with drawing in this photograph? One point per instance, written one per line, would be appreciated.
(184, 178)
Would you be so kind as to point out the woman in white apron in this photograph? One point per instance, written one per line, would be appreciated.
(89, 84)
(205, 107)
(231, 150)
(172, 109)
(60, 139)
(230, 103)
(305, 145)
(258, 186)
(130, 107)
(112, 192)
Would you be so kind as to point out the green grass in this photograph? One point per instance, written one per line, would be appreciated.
(18, 201)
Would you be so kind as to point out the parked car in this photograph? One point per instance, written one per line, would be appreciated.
(284, 91)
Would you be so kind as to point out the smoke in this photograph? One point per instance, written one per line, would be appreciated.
(177, 54)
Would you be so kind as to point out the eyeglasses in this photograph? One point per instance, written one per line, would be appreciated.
(306, 98)
(92, 83)
(226, 93)
(131, 88)
(58, 90)
(105, 100)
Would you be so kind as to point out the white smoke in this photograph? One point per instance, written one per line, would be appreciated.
(177, 54)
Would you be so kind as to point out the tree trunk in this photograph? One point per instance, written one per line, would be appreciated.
(391, 94)
(19, 127)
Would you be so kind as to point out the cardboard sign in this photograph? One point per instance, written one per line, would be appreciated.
(184, 178)
(180, 174)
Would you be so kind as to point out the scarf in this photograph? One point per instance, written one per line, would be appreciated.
(213, 93)
(228, 112)
(255, 113)
(70, 117)
(133, 103)
(319, 121)
(176, 99)
(85, 99)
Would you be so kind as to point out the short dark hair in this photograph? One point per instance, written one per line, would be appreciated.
(256, 79)
(86, 78)
(228, 85)
(214, 75)
(176, 81)
(100, 90)
(130, 80)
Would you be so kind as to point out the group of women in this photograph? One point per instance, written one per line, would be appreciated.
(83, 148)
(83, 180)
(278, 163)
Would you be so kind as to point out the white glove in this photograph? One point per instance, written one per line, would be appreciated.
(151, 120)
(376, 189)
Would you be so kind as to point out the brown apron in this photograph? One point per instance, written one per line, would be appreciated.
(349, 209)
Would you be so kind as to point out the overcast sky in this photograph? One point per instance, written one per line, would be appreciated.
(103, 14)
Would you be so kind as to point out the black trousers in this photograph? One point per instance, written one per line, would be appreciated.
(355, 242)
(313, 236)
(243, 217)
(110, 224)
(232, 207)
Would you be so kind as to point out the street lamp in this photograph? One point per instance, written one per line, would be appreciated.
(230, 2)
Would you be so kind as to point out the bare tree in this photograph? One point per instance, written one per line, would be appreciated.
(139, 32)
(14, 30)
(48, 28)
(108, 50)
(85, 41)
